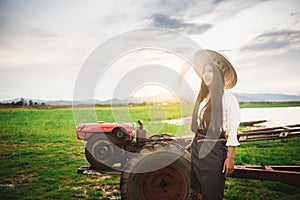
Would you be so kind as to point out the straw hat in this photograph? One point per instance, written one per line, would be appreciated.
(204, 56)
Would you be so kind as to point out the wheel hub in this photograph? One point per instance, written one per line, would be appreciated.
(102, 151)
(166, 183)
(163, 184)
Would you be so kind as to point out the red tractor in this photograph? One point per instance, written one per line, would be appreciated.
(166, 161)
(158, 167)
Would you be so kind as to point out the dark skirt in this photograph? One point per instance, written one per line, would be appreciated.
(206, 168)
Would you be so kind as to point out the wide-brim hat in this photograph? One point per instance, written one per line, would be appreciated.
(205, 56)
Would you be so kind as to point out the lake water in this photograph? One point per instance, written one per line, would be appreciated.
(276, 116)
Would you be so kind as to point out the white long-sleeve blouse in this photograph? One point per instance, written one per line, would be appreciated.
(231, 117)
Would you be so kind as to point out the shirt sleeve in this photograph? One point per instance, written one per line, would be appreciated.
(233, 119)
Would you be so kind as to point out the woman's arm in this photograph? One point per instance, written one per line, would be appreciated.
(233, 121)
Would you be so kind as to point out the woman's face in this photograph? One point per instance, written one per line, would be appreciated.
(207, 74)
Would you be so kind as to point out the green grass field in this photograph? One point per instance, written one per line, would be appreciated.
(40, 155)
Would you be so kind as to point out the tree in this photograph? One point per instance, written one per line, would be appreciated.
(22, 102)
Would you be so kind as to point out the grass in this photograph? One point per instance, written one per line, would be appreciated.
(39, 155)
(269, 153)
(268, 104)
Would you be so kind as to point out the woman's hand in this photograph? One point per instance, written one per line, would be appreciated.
(228, 166)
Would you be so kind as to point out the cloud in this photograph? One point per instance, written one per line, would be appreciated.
(194, 9)
(274, 40)
(41, 32)
(160, 20)
(193, 16)
(294, 14)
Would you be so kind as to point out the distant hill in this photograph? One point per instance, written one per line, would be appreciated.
(245, 97)
(242, 97)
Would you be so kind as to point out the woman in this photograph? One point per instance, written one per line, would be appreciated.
(216, 117)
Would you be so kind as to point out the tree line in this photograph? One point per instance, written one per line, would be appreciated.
(23, 103)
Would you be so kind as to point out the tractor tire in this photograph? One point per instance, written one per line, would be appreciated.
(170, 179)
(102, 153)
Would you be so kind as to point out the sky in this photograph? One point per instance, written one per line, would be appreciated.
(45, 44)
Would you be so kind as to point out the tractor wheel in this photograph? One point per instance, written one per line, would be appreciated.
(102, 153)
(170, 178)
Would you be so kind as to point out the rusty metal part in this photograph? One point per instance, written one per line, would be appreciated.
(280, 132)
(285, 174)
(92, 171)
(274, 128)
(252, 123)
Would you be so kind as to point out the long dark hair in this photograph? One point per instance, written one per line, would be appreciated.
(211, 116)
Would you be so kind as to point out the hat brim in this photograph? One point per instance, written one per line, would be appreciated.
(205, 56)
